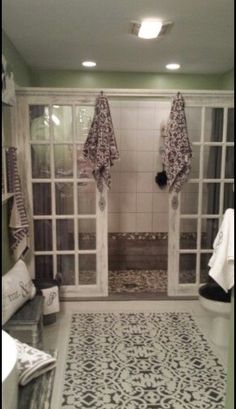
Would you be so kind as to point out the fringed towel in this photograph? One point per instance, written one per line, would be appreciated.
(178, 152)
(19, 225)
(32, 362)
(222, 260)
(100, 146)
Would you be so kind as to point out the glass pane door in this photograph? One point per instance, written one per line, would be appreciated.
(203, 200)
(69, 227)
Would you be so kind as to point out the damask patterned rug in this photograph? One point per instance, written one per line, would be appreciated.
(141, 361)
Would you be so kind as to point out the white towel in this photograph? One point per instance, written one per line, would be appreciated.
(222, 260)
(32, 362)
(51, 300)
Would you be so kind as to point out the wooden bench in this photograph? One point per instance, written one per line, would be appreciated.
(26, 324)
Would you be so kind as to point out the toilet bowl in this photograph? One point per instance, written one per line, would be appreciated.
(217, 303)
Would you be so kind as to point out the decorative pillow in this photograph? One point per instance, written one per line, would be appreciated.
(17, 288)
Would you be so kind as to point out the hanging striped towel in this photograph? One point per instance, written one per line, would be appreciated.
(19, 225)
(100, 147)
(178, 152)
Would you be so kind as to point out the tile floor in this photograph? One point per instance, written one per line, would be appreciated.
(56, 335)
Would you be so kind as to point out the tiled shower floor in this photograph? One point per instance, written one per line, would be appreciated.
(134, 282)
(137, 281)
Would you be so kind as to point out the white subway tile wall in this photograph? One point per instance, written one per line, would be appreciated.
(136, 203)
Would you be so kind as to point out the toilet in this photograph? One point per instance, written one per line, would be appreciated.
(217, 303)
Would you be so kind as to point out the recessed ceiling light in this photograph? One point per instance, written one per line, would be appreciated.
(89, 64)
(149, 29)
(173, 66)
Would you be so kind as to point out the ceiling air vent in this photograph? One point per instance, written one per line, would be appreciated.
(165, 29)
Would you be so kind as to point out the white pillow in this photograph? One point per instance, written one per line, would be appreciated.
(17, 288)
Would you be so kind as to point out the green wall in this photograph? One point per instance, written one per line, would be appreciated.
(82, 79)
(22, 72)
(22, 76)
(228, 80)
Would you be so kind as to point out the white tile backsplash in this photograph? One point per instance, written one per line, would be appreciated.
(128, 182)
(136, 203)
(128, 140)
(146, 118)
(144, 202)
(145, 140)
(128, 202)
(144, 182)
(160, 222)
(160, 202)
(145, 161)
(144, 222)
(127, 222)
(128, 161)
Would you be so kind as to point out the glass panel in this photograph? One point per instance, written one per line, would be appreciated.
(189, 199)
(84, 167)
(86, 198)
(65, 235)
(193, 118)
(42, 198)
(62, 122)
(43, 235)
(194, 173)
(204, 268)
(64, 198)
(87, 269)
(39, 122)
(213, 130)
(188, 233)
(230, 125)
(43, 268)
(212, 162)
(66, 267)
(187, 268)
(211, 198)
(40, 158)
(63, 157)
(87, 234)
(228, 196)
(83, 118)
(209, 232)
(229, 164)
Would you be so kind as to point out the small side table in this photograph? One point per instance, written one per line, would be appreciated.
(27, 323)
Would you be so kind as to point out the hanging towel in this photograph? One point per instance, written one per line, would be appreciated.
(222, 260)
(51, 300)
(32, 362)
(100, 146)
(19, 225)
(178, 152)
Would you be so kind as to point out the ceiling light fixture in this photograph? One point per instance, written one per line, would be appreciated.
(150, 29)
(173, 66)
(89, 64)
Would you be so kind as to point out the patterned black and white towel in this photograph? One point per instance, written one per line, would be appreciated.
(178, 151)
(19, 224)
(140, 361)
(101, 147)
(32, 362)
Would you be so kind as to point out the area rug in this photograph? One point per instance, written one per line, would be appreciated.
(140, 361)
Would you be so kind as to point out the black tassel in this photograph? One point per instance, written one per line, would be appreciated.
(161, 179)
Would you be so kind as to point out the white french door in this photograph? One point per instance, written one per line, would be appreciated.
(69, 229)
(196, 212)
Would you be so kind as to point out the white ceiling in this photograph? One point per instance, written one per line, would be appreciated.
(60, 34)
